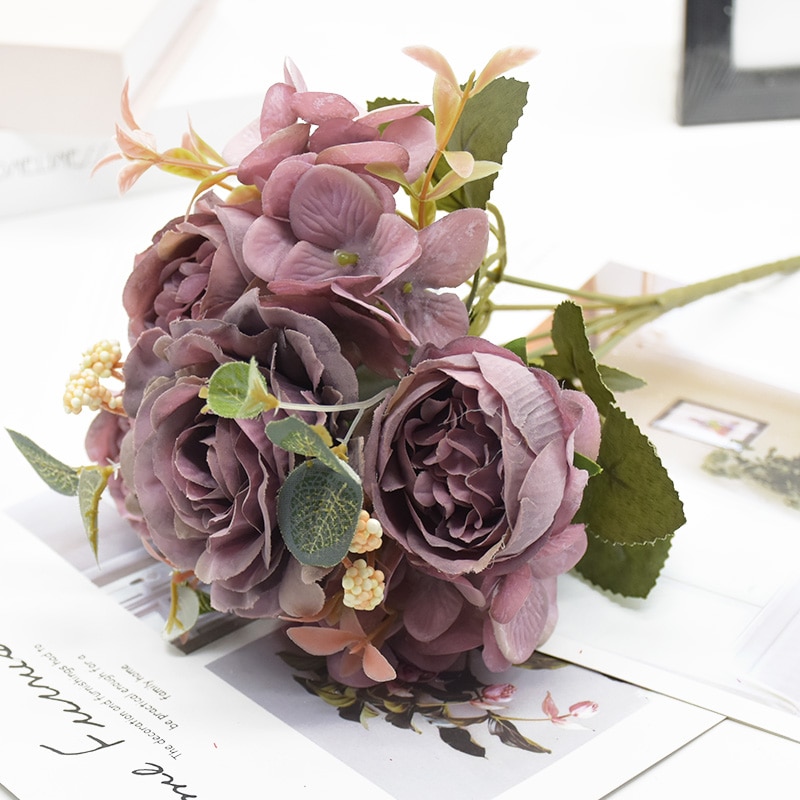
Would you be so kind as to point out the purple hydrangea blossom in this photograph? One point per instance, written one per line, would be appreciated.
(342, 234)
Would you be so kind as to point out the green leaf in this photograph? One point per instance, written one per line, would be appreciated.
(238, 390)
(619, 381)
(485, 130)
(508, 734)
(54, 473)
(574, 360)
(631, 511)
(584, 462)
(299, 437)
(519, 347)
(92, 482)
(204, 599)
(459, 739)
(629, 570)
(318, 510)
(633, 500)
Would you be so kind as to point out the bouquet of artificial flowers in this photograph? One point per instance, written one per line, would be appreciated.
(310, 425)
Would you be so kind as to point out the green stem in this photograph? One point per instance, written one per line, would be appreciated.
(629, 313)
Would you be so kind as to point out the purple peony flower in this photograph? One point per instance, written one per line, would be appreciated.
(207, 486)
(469, 466)
(194, 268)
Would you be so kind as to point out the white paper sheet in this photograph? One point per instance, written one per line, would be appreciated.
(97, 700)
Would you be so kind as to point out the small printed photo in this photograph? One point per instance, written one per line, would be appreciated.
(709, 425)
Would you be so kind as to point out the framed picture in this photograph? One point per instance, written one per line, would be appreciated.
(741, 61)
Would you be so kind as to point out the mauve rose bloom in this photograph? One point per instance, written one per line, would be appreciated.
(207, 486)
(469, 466)
(194, 268)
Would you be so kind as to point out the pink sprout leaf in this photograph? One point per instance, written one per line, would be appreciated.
(461, 162)
(193, 141)
(502, 61)
(349, 636)
(484, 129)
(452, 181)
(434, 60)
(192, 160)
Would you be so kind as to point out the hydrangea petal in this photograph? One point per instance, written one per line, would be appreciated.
(331, 207)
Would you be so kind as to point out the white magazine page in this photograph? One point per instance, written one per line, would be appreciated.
(96, 698)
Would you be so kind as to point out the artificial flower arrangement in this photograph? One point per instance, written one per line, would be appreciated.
(310, 425)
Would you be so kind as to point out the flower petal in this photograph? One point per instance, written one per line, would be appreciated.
(321, 641)
(376, 666)
(331, 207)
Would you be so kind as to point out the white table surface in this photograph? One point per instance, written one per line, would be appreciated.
(598, 171)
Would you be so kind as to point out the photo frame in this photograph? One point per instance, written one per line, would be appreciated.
(713, 89)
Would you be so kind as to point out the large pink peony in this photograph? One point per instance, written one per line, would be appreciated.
(469, 466)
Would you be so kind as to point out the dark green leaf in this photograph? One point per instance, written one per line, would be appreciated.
(485, 130)
(382, 102)
(619, 381)
(508, 734)
(633, 500)
(629, 570)
(583, 462)
(541, 661)
(459, 739)
(205, 602)
(351, 712)
(92, 482)
(631, 511)
(54, 473)
(574, 360)
(318, 510)
(303, 662)
(402, 719)
(519, 347)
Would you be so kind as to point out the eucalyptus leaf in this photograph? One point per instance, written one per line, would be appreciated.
(238, 390)
(299, 437)
(92, 482)
(57, 475)
(484, 130)
(318, 510)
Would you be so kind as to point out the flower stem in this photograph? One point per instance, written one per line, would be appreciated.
(627, 314)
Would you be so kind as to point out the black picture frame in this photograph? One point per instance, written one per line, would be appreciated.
(712, 90)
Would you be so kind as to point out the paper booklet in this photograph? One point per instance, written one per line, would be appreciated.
(95, 699)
